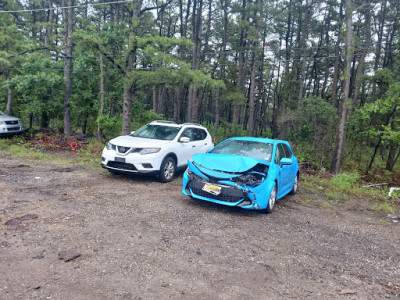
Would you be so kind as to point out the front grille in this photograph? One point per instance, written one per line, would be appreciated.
(121, 165)
(13, 128)
(228, 194)
(122, 149)
(12, 122)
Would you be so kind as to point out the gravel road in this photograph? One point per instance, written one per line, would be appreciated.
(72, 232)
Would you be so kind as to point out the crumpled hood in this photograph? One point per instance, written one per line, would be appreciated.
(224, 162)
(137, 142)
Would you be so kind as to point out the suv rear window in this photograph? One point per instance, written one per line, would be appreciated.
(157, 132)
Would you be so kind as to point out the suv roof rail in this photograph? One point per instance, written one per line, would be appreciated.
(163, 121)
(192, 124)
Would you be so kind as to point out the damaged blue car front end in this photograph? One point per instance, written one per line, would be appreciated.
(237, 180)
(245, 185)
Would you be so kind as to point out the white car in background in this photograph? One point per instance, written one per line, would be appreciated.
(158, 148)
(10, 125)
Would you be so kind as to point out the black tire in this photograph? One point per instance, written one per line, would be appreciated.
(167, 169)
(295, 185)
(271, 201)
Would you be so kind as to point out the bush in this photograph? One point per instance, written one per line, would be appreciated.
(312, 130)
(345, 181)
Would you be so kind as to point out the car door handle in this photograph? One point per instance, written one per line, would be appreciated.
(193, 146)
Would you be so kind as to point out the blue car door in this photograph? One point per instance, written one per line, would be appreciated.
(285, 180)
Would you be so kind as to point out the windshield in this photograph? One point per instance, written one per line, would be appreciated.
(157, 132)
(252, 149)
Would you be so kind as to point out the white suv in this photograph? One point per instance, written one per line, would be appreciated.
(158, 148)
(10, 125)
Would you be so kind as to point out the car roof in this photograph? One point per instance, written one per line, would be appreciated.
(173, 124)
(261, 140)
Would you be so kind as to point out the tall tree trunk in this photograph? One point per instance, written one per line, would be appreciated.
(127, 109)
(9, 101)
(378, 52)
(222, 62)
(288, 46)
(360, 67)
(336, 68)
(392, 157)
(129, 67)
(242, 66)
(49, 29)
(102, 98)
(304, 34)
(193, 107)
(68, 24)
(275, 113)
(250, 123)
(340, 131)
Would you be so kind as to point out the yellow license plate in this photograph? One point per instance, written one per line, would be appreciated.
(212, 189)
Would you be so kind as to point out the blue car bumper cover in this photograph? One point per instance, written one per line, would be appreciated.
(231, 194)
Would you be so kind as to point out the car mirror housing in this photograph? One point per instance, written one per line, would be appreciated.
(184, 139)
(286, 161)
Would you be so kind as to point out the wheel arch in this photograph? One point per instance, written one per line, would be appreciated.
(173, 156)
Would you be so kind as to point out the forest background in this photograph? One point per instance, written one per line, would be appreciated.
(322, 74)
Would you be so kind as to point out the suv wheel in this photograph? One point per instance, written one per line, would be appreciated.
(167, 170)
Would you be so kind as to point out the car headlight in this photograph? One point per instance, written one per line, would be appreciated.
(149, 150)
(252, 179)
(108, 146)
(2, 123)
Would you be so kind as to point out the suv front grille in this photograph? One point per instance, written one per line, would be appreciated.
(12, 122)
(122, 149)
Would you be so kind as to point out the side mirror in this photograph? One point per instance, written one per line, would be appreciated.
(184, 139)
(286, 161)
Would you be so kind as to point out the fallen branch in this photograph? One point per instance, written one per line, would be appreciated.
(378, 184)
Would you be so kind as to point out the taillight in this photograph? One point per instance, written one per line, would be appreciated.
(213, 140)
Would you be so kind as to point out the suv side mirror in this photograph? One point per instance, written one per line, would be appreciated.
(184, 139)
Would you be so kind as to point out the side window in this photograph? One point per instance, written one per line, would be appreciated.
(188, 133)
(199, 134)
(280, 153)
(288, 153)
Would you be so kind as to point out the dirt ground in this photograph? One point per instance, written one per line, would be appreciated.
(73, 232)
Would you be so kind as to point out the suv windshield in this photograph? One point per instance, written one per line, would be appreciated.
(157, 132)
(252, 149)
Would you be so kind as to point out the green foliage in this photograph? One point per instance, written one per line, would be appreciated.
(39, 91)
(312, 130)
(148, 116)
(111, 126)
(345, 182)
(26, 152)
(383, 207)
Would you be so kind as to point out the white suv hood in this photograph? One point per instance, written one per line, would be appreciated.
(8, 118)
(137, 142)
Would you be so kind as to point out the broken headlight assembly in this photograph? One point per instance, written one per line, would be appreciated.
(250, 178)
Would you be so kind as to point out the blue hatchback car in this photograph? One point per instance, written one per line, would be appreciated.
(251, 173)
